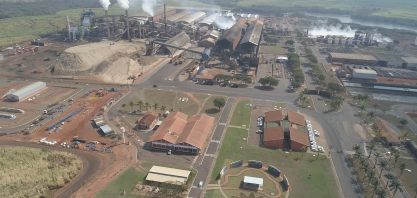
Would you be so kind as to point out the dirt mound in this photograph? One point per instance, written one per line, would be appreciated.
(90, 56)
(147, 60)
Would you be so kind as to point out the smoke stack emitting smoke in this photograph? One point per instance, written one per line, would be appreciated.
(147, 6)
(123, 4)
(105, 4)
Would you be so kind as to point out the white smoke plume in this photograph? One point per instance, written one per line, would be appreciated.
(224, 23)
(105, 4)
(337, 30)
(123, 4)
(148, 5)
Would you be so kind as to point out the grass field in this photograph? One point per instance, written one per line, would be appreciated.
(276, 49)
(210, 109)
(125, 182)
(296, 167)
(308, 103)
(242, 113)
(280, 106)
(28, 172)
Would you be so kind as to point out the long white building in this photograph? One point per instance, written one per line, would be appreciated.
(25, 91)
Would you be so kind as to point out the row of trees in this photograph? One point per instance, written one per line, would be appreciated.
(318, 75)
(295, 65)
(146, 105)
(222, 77)
(268, 80)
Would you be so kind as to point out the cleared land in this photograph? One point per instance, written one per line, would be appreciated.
(28, 172)
(273, 49)
(308, 177)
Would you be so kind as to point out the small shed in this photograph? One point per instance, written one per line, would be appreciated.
(253, 183)
(106, 130)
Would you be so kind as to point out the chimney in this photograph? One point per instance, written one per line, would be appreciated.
(165, 18)
(107, 24)
(127, 25)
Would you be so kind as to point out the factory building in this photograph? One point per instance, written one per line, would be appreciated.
(178, 40)
(192, 18)
(252, 38)
(174, 18)
(367, 74)
(26, 91)
(409, 63)
(208, 21)
(358, 59)
(231, 37)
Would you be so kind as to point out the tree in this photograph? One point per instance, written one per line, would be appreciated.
(366, 169)
(371, 115)
(392, 150)
(407, 135)
(402, 167)
(377, 156)
(303, 150)
(140, 104)
(155, 106)
(403, 122)
(307, 103)
(378, 133)
(291, 50)
(171, 110)
(371, 148)
(365, 98)
(362, 107)
(396, 157)
(268, 80)
(52, 70)
(389, 177)
(131, 104)
(334, 87)
(380, 192)
(395, 185)
(371, 175)
(147, 106)
(356, 148)
(163, 108)
(382, 164)
(375, 105)
(219, 102)
(289, 42)
(375, 184)
(124, 107)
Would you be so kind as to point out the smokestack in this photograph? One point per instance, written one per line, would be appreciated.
(165, 18)
(128, 28)
(69, 29)
(107, 24)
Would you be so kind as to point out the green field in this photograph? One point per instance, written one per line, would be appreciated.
(274, 49)
(210, 109)
(308, 177)
(242, 113)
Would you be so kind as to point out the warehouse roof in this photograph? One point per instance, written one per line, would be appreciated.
(296, 118)
(253, 34)
(106, 129)
(170, 128)
(148, 118)
(27, 88)
(390, 135)
(274, 116)
(170, 175)
(352, 56)
(196, 130)
(178, 16)
(274, 133)
(213, 33)
(192, 17)
(365, 71)
(299, 136)
(178, 40)
(410, 59)
(210, 19)
(231, 34)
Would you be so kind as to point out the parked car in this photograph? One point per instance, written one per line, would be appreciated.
(260, 123)
(169, 152)
(222, 84)
(259, 131)
(234, 86)
(200, 184)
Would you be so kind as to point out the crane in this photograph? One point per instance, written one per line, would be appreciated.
(17, 46)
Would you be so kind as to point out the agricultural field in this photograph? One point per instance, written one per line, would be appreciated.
(28, 172)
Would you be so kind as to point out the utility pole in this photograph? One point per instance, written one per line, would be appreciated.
(165, 18)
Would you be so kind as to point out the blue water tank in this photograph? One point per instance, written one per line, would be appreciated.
(206, 54)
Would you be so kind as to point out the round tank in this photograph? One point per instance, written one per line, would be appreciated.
(349, 41)
(336, 40)
(329, 40)
(343, 41)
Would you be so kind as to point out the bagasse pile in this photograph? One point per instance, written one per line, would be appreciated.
(28, 172)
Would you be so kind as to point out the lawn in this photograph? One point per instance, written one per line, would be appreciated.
(308, 103)
(280, 106)
(296, 167)
(242, 113)
(273, 49)
(210, 109)
(125, 182)
(214, 194)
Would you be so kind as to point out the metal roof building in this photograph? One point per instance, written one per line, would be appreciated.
(252, 37)
(192, 18)
(360, 59)
(231, 37)
(167, 175)
(177, 16)
(178, 40)
(253, 182)
(209, 20)
(106, 129)
(26, 91)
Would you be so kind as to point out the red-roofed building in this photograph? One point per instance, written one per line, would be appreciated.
(299, 139)
(296, 118)
(148, 121)
(274, 137)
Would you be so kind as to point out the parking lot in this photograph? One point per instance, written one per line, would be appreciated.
(320, 141)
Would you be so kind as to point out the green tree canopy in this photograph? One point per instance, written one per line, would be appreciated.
(219, 102)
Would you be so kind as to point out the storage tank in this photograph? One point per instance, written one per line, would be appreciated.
(329, 40)
(343, 41)
(349, 41)
(336, 40)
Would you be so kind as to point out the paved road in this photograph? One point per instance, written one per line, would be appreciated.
(399, 110)
(91, 164)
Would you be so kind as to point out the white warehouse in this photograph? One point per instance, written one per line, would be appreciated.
(25, 91)
(368, 74)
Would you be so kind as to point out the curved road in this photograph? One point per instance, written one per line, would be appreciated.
(91, 164)
(399, 110)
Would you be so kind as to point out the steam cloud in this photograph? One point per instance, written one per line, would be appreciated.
(337, 30)
(147, 6)
(105, 4)
(123, 4)
(224, 23)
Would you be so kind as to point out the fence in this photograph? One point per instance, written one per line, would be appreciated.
(63, 119)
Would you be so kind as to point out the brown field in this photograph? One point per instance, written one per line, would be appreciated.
(397, 81)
